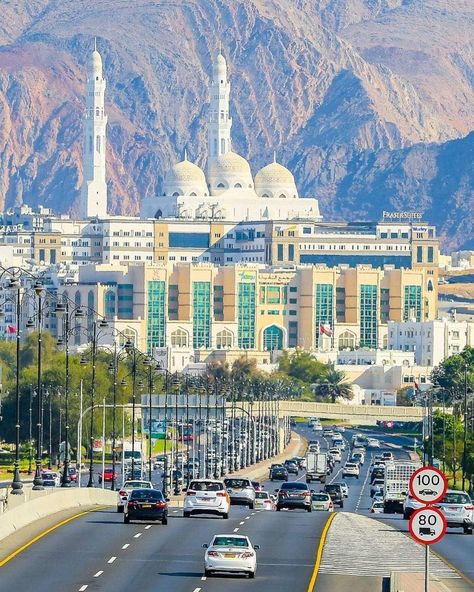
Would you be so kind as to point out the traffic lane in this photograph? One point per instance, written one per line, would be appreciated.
(79, 546)
(285, 561)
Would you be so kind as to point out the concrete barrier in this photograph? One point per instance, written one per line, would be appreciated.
(33, 505)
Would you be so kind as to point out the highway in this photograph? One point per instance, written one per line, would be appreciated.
(97, 552)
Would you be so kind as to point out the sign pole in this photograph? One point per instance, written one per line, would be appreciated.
(427, 568)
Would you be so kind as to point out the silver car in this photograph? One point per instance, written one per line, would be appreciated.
(458, 510)
(241, 491)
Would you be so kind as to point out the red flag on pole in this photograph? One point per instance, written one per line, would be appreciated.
(325, 330)
(11, 329)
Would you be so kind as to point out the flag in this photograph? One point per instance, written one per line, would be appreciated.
(325, 330)
(11, 329)
(417, 386)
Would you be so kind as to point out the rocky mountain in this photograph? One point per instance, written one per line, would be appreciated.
(370, 102)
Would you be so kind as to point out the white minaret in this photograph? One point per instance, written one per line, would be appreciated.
(94, 188)
(220, 121)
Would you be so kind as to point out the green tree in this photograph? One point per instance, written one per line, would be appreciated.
(333, 385)
(302, 366)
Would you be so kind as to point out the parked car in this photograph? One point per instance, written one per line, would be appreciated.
(279, 473)
(230, 553)
(146, 504)
(127, 488)
(458, 509)
(336, 493)
(206, 496)
(294, 494)
(240, 491)
(322, 502)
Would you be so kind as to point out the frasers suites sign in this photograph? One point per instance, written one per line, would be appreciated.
(405, 216)
(10, 229)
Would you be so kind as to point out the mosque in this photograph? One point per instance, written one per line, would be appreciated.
(228, 191)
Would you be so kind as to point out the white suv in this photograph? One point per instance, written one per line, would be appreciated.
(458, 509)
(410, 505)
(206, 496)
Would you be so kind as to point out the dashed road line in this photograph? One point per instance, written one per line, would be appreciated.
(112, 559)
(203, 578)
(148, 527)
(99, 573)
(126, 546)
(247, 517)
(197, 590)
(236, 529)
(241, 522)
(82, 588)
(363, 488)
(138, 535)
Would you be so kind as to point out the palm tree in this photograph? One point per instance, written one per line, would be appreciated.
(333, 384)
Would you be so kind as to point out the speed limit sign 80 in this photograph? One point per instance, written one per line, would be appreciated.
(428, 485)
(427, 525)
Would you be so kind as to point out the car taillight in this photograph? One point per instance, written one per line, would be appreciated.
(469, 508)
(307, 493)
(190, 493)
(221, 494)
(122, 492)
(132, 504)
(161, 504)
(267, 501)
(213, 554)
(247, 554)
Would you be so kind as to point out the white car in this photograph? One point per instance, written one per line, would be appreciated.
(377, 507)
(206, 496)
(410, 504)
(373, 443)
(321, 502)
(230, 553)
(263, 501)
(127, 487)
(339, 428)
(317, 427)
(336, 454)
(344, 487)
(358, 457)
(328, 433)
(351, 470)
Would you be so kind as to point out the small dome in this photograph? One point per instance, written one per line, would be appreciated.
(96, 63)
(275, 180)
(220, 67)
(229, 171)
(185, 178)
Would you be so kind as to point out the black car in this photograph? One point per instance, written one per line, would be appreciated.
(377, 473)
(136, 474)
(146, 504)
(294, 494)
(336, 493)
(291, 466)
(279, 472)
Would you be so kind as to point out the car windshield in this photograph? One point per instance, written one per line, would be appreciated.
(350, 466)
(230, 541)
(261, 495)
(333, 487)
(236, 483)
(295, 485)
(320, 497)
(206, 486)
(137, 485)
(456, 498)
(143, 494)
(378, 504)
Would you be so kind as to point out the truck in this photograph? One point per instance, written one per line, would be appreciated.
(316, 466)
(396, 484)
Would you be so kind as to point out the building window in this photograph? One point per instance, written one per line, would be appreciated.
(246, 315)
(273, 338)
(419, 254)
(430, 255)
(224, 339)
(280, 256)
(179, 338)
(201, 314)
(109, 304)
(347, 340)
(156, 322)
(291, 252)
(368, 315)
(97, 144)
(323, 308)
(412, 303)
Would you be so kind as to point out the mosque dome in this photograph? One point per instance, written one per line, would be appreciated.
(275, 180)
(229, 171)
(185, 178)
(220, 67)
(96, 63)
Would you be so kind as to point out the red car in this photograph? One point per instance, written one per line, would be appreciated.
(257, 486)
(108, 475)
(72, 474)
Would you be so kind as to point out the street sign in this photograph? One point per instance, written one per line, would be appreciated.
(427, 525)
(428, 485)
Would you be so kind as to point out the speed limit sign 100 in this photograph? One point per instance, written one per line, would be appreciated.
(428, 485)
(427, 525)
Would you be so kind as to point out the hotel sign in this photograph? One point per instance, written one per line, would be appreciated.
(9, 229)
(402, 215)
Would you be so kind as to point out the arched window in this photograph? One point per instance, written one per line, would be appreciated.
(215, 148)
(282, 196)
(90, 309)
(385, 342)
(77, 298)
(223, 146)
(97, 144)
(265, 195)
(109, 304)
(159, 214)
(175, 194)
(224, 339)
(221, 186)
(91, 144)
(77, 334)
(430, 286)
(347, 340)
(128, 334)
(193, 194)
(273, 338)
(179, 338)
(97, 112)
(238, 186)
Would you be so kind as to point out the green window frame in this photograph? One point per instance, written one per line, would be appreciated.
(323, 308)
(201, 314)
(273, 338)
(412, 301)
(246, 315)
(156, 321)
(368, 315)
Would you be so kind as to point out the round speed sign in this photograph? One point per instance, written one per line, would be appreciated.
(427, 525)
(428, 485)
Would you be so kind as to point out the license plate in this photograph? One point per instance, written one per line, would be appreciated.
(146, 506)
(205, 499)
(452, 509)
(229, 555)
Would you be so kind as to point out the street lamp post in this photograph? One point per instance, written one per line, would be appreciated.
(464, 447)
(17, 485)
(38, 480)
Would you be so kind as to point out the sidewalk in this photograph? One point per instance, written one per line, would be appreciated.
(259, 471)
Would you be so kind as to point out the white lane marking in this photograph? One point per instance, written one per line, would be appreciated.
(236, 529)
(197, 590)
(82, 588)
(203, 578)
(247, 518)
(363, 488)
(242, 522)
(126, 546)
(148, 527)
(138, 535)
(253, 513)
(112, 559)
(99, 573)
